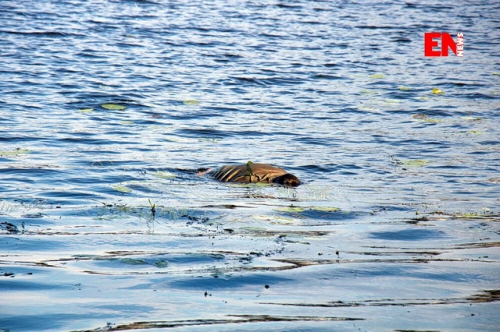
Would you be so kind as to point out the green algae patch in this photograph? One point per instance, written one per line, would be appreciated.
(470, 118)
(426, 118)
(414, 162)
(475, 132)
(86, 110)
(113, 107)
(298, 209)
(121, 188)
(129, 186)
(15, 152)
(133, 261)
(164, 175)
(433, 120)
(161, 264)
(393, 101)
(378, 76)
(290, 209)
(485, 215)
(437, 91)
(403, 88)
(369, 92)
(191, 102)
(325, 209)
(368, 109)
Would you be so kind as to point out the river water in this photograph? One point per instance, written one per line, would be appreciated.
(108, 108)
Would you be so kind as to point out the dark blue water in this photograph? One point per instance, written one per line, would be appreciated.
(108, 108)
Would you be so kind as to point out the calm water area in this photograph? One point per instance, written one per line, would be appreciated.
(109, 107)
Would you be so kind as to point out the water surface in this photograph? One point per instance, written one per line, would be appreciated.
(108, 108)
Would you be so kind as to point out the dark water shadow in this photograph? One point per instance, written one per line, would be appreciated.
(224, 282)
(318, 213)
(20, 285)
(409, 235)
(45, 322)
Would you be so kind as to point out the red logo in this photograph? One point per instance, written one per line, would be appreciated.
(431, 43)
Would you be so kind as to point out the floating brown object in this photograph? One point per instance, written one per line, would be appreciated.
(254, 173)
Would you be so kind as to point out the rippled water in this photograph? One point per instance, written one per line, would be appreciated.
(108, 108)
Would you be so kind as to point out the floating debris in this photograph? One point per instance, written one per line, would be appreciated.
(9, 227)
